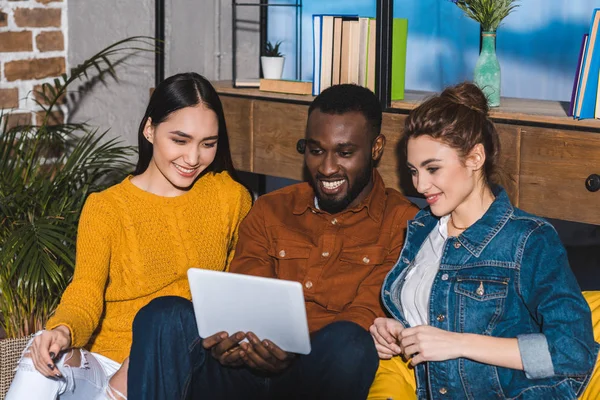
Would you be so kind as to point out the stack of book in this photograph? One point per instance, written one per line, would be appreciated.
(586, 92)
(344, 52)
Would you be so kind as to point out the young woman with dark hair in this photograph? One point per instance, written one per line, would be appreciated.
(136, 241)
(482, 297)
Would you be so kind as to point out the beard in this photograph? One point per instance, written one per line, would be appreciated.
(334, 205)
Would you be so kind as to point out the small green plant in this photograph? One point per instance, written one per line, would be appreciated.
(47, 171)
(272, 50)
(489, 13)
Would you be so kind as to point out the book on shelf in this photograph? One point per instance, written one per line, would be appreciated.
(341, 50)
(371, 54)
(337, 50)
(327, 25)
(363, 38)
(316, 89)
(286, 86)
(399, 40)
(575, 90)
(585, 103)
(327, 57)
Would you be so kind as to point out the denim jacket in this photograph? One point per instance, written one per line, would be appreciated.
(507, 276)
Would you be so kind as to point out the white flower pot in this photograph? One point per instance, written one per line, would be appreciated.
(272, 67)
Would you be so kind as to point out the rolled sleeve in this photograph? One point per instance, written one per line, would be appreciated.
(535, 355)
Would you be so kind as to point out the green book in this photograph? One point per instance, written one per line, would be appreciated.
(399, 37)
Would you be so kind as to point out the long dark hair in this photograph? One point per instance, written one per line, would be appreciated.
(174, 93)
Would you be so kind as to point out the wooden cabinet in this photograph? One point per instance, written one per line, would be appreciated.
(554, 165)
(544, 168)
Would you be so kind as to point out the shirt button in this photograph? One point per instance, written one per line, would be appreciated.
(325, 254)
(282, 253)
(334, 221)
(443, 390)
(445, 277)
(441, 318)
(456, 245)
(308, 284)
(405, 260)
(366, 260)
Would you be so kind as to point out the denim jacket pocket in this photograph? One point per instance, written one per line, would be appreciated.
(480, 303)
(291, 258)
(355, 264)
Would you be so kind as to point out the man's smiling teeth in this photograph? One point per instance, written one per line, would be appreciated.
(332, 185)
(184, 170)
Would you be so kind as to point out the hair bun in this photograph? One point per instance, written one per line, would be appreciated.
(469, 95)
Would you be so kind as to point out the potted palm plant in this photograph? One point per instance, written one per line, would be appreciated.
(272, 61)
(47, 171)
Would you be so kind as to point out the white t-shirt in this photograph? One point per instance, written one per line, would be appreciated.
(416, 290)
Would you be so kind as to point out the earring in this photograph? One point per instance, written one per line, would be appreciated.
(301, 146)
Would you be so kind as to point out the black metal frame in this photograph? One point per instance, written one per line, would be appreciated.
(383, 52)
(159, 36)
(264, 7)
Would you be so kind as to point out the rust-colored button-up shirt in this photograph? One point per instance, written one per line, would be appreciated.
(341, 260)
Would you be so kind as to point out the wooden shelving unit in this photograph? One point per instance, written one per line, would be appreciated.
(547, 156)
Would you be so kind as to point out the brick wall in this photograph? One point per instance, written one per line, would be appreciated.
(33, 50)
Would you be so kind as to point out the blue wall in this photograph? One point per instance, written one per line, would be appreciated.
(537, 45)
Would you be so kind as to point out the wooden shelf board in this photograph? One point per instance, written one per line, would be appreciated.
(512, 109)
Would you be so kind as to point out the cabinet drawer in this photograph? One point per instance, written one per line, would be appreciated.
(554, 167)
(277, 128)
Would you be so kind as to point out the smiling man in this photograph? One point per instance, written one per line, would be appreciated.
(338, 235)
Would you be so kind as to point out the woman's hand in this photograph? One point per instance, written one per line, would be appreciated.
(386, 334)
(426, 343)
(47, 346)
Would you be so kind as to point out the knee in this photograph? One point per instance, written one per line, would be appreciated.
(162, 312)
(352, 344)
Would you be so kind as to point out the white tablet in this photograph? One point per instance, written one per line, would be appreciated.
(272, 309)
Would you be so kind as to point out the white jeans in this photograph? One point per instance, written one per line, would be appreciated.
(89, 381)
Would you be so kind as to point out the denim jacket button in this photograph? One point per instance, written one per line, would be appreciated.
(456, 245)
(445, 277)
(441, 318)
(443, 390)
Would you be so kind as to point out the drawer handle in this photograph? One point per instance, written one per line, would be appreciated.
(592, 183)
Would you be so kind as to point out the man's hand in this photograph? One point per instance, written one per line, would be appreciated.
(265, 355)
(225, 348)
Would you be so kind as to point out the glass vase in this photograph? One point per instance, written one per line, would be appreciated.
(487, 70)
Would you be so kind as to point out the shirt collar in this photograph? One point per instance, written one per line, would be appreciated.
(478, 235)
(374, 202)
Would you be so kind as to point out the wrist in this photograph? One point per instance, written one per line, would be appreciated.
(463, 344)
(65, 331)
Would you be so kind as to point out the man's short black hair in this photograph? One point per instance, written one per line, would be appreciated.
(341, 99)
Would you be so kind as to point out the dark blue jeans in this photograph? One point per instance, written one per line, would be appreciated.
(167, 361)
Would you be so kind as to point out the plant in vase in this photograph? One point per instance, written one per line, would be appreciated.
(272, 61)
(489, 13)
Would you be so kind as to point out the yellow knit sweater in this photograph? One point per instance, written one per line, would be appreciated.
(134, 246)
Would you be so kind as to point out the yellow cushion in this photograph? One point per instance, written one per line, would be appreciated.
(592, 392)
(395, 380)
